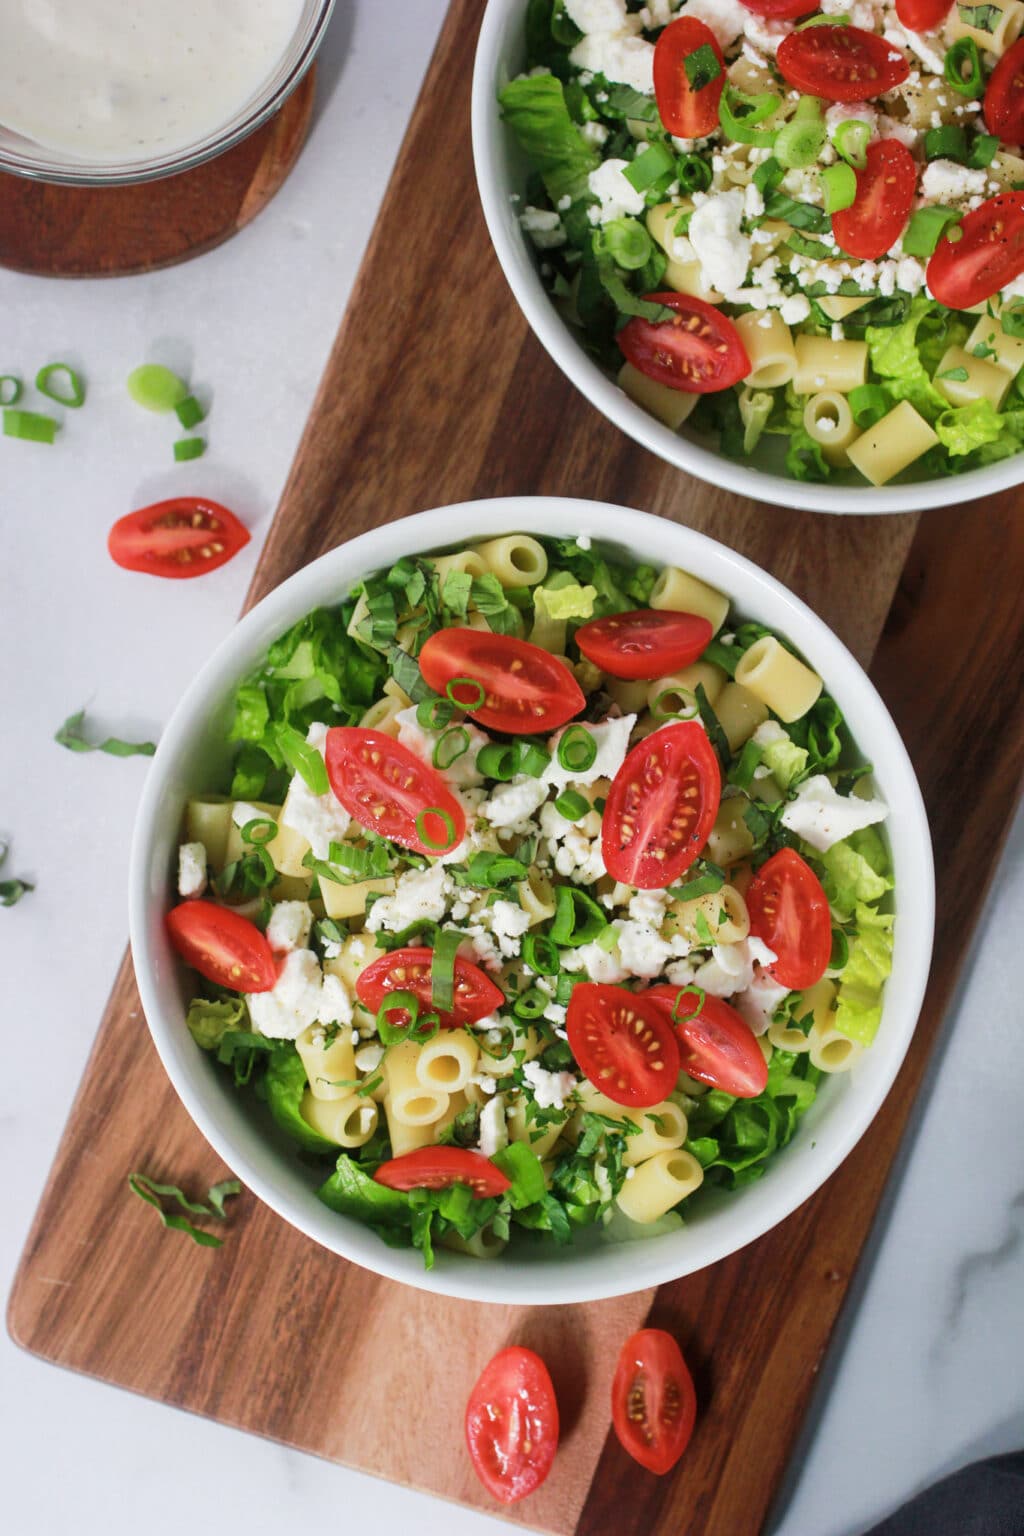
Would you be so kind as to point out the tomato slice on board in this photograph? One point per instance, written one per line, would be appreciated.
(698, 351)
(654, 1403)
(647, 643)
(222, 945)
(789, 912)
(512, 1424)
(661, 807)
(623, 1043)
(885, 195)
(687, 107)
(391, 791)
(716, 1045)
(988, 255)
(408, 970)
(840, 63)
(440, 1167)
(187, 536)
(1003, 107)
(923, 15)
(525, 688)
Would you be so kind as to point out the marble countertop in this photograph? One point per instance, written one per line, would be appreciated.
(928, 1375)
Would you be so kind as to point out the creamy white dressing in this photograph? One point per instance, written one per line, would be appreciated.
(128, 79)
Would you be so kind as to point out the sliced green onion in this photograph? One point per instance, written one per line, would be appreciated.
(260, 830)
(740, 115)
(693, 173)
(577, 749)
(702, 66)
(451, 745)
(742, 774)
(301, 758)
(840, 19)
(798, 144)
(400, 1002)
(437, 845)
(703, 928)
(839, 184)
(465, 682)
(155, 388)
(809, 109)
(962, 68)
(627, 243)
(984, 17)
(607, 939)
(949, 142)
(530, 1004)
(30, 426)
(424, 1029)
(434, 714)
(10, 389)
(572, 805)
(189, 448)
(189, 412)
(678, 1017)
(364, 863)
(851, 140)
(926, 228)
(490, 869)
(442, 969)
(660, 710)
(578, 918)
(60, 382)
(534, 760)
(650, 165)
(541, 954)
(983, 151)
(498, 761)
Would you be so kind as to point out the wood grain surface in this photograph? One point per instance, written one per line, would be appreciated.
(62, 231)
(435, 392)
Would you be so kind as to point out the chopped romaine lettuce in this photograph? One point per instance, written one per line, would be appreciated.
(856, 870)
(859, 1009)
(535, 109)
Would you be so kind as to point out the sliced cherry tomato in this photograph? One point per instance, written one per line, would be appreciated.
(391, 791)
(188, 536)
(654, 1403)
(524, 687)
(699, 351)
(623, 1043)
(789, 912)
(222, 946)
(840, 63)
(782, 10)
(512, 1424)
(1004, 96)
(923, 15)
(649, 642)
(440, 1167)
(988, 255)
(661, 807)
(885, 195)
(408, 970)
(687, 107)
(716, 1045)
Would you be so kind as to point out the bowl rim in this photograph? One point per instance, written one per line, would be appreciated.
(605, 395)
(577, 1277)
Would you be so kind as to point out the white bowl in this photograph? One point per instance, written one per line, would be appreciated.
(193, 749)
(501, 172)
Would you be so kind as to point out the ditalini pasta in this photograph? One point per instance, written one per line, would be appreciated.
(493, 993)
(738, 243)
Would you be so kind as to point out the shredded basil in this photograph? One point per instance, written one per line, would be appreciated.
(72, 735)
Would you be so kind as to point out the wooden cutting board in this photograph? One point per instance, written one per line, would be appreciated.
(435, 392)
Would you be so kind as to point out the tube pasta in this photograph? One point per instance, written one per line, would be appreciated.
(928, 101)
(327, 1064)
(786, 1037)
(671, 406)
(681, 916)
(776, 677)
(832, 1051)
(740, 711)
(467, 560)
(382, 715)
(447, 1062)
(236, 847)
(409, 1100)
(348, 1122)
(526, 1040)
(1003, 33)
(683, 593)
(829, 422)
(357, 952)
(288, 849)
(891, 444)
(408, 1138)
(989, 334)
(983, 381)
(659, 1184)
(730, 838)
(1008, 170)
(825, 364)
(539, 1138)
(648, 1138)
(484, 1244)
(536, 896)
(516, 560)
(350, 900)
(684, 273)
(769, 345)
(208, 821)
(838, 307)
(630, 696)
(681, 689)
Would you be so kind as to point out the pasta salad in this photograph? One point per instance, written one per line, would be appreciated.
(797, 227)
(543, 892)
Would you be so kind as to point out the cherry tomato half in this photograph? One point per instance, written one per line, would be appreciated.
(525, 688)
(654, 1403)
(687, 107)
(661, 807)
(391, 791)
(647, 643)
(187, 536)
(716, 1045)
(922, 15)
(408, 970)
(512, 1424)
(789, 912)
(440, 1167)
(623, 1042)
(781, 10)
(222, 946)
(988, 255)
(1003, 107)
(885, 195)
(698, 351)
(840, 63)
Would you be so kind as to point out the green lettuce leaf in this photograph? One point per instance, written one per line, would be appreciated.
(856, 871)
(536, 111)
(352, 1192)
(966, 427)
(784, 758)
(859, 1008)
(896, 356)
(208, 1021)
(285, 1083)
(569, 602)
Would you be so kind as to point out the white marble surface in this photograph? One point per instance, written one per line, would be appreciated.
(930, 1374)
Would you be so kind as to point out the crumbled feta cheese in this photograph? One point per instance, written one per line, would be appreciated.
(493, 1127)
(584, 540)
(725, 18)
(822, 817)
(289, 926)
(544, 228)
(369, 1057)
(596, 963)
(335, 1003)
(511, 805)
(550, 1089)
(753, 202)
(944, 181)
(621, 57)
(597, 15)
(574, 847)
(463, 771)
(594, 133)
(508, 923)
(611, 738)
(642, 951)
(648, 907)
(758, 1002)
(191, 869)
(555, 1013)
(796, 308)
(242, 813)
(901, 37)
(419, 896)
(320, 819)
(294, 1001)
(616, 195)
(722, 250)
